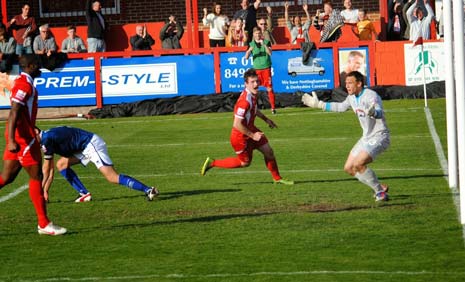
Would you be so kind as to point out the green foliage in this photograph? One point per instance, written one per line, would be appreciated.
(235, 225)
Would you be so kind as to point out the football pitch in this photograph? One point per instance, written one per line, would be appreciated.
(236, 225)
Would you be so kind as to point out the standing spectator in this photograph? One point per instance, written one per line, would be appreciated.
(73, 43)
(96, 27)
(44, 43)
(419, 23)
(266, 25)
(249, 14)
(329, 23)
(142, 40)
(299, 32)
(171, 34)
(7, 50)
(365, 28)
(245, 136)
(368, 107)
(25, 26)
(237, 34)
(261, 52)
(218, 23)
(405, 8)
(22, 149)
(396, 24)
(349, 14)
(77, 146)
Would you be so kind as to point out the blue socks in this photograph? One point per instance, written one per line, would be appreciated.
(132, 183)
(73, 179)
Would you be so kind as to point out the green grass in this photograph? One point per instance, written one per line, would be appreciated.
(235, 225)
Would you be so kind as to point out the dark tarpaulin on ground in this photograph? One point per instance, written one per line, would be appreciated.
(225, 102)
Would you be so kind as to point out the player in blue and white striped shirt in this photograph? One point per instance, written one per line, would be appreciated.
(368, 107)
(75, 146)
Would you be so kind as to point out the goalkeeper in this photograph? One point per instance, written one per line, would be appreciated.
(368, 107)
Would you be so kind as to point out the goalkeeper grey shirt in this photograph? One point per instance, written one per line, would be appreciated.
(372, 126)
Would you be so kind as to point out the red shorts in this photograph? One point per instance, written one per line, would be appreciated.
(264, 76)
(244, 146)
(29, 153)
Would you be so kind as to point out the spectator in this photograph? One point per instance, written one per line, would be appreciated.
(355, 62)
(96, 27)
(218, 23)
(350, 14)
(365, 28)
(396, 24)
(237, 34)
(7, 50)
(260, 49)
(329, 23)
(266, 26)
(44, 43)
(407, 5)
(299, 32)
(419, 23)
(142, 40)
(171, 34)
(73, 43)
(248, 13)
(25, 26)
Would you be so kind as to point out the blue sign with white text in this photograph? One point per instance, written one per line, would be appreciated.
(289, 72)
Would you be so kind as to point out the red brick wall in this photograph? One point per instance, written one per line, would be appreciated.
(139, 11)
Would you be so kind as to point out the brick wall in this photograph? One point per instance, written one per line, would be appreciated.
(138, 11)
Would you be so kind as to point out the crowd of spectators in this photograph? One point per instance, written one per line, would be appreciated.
(407, 20)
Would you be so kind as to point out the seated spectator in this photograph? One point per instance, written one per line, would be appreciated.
(329, 23)
(45, 46)
(419, 23)
(365, 28)
(218, 23)
(237, 34)
(396, 24)
(350, 14)
(171, 34)
(44, 43)
(299, 32)
(266, 26)
(7, 50)
(141, 40)
(73, 43)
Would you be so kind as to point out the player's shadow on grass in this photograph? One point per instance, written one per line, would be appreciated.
(380, 178)
(178, 194)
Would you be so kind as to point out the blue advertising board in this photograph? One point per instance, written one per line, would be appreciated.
(289, 73)
(139, 78)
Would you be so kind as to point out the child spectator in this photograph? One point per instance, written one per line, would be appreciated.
(237, 34)
(365, 28)
(73, 43)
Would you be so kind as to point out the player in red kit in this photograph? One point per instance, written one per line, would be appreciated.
(245, 136)
(22, 149)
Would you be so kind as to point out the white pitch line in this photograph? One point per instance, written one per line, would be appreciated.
(443, 163)
(14, 193)
(253, 274)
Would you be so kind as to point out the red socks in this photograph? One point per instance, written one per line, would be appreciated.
(273, 168)
(227, 163)
(37, 198)
(271, 98)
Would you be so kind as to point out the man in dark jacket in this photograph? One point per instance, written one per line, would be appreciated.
(142, 40)
(96, 27)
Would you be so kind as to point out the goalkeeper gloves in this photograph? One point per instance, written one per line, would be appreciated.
(372, 112)
(312, 101)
